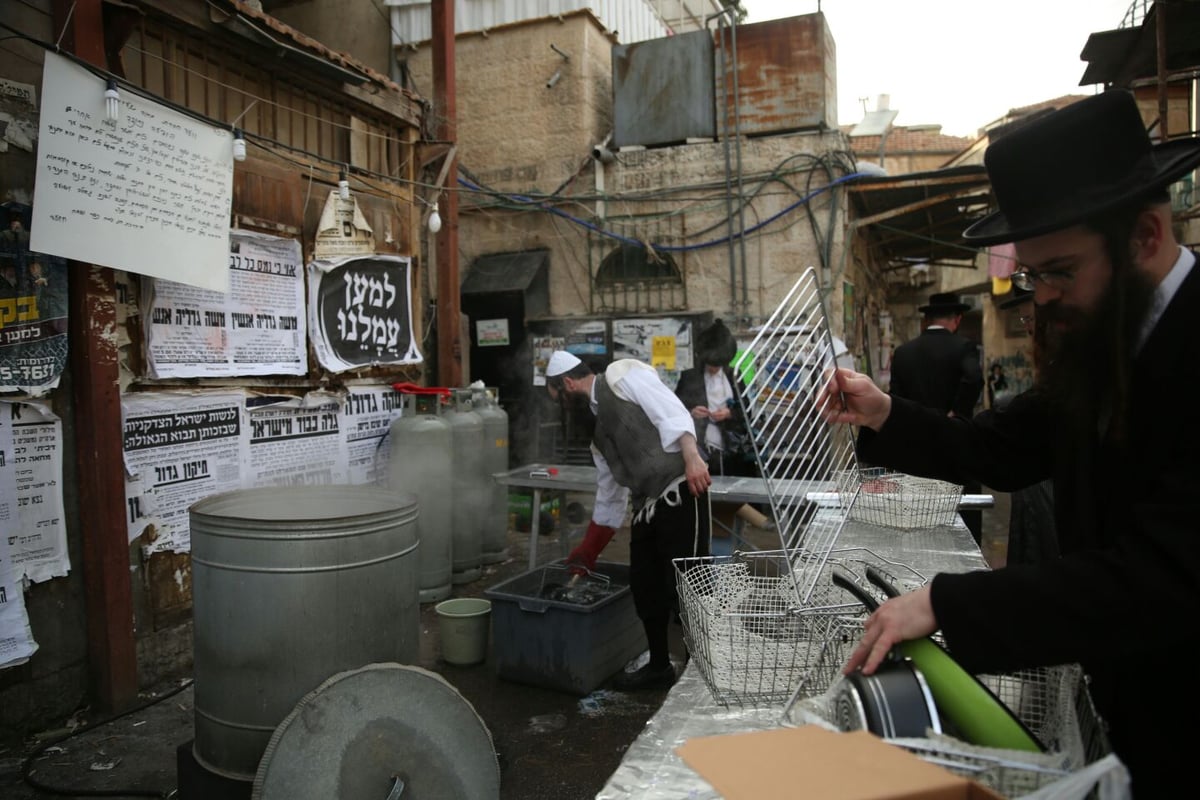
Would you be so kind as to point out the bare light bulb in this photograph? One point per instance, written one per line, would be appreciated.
(435, 220)
(239, 145)
(343, 186)
(112, 101)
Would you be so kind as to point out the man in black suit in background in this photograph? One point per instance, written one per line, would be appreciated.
(940, 369)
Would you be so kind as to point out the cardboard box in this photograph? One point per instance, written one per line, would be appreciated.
(810, 761)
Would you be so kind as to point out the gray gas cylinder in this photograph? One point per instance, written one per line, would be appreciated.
(495, 510)
(421, 464)
(290, 585)
(469, 492)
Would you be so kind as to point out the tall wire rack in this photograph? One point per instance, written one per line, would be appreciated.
(782, 377)
(764, 625)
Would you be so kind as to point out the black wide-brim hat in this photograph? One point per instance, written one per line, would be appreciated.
(945, 301)
(715, 345)
(1081, 160)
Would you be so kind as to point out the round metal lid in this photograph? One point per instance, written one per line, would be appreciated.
(360, 730)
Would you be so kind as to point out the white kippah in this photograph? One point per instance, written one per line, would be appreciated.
(561, 361)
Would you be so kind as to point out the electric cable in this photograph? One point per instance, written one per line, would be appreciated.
(27, 764)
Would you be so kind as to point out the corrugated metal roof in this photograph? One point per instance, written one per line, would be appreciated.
(629, 20)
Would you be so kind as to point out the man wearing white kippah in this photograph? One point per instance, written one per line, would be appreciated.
(644, 445)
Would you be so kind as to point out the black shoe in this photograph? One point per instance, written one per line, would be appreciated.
(647, 677)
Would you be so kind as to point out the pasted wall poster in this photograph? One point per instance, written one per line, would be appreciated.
(33, 309)
(258, 327)
(360, 312)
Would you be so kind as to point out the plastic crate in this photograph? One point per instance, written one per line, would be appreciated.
(567, 646)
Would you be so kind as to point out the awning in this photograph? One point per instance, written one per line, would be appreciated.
(505, 272)
(1119, 57)
(526, 272)
(919, 218)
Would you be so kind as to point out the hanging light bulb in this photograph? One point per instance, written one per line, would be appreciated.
(343, 185)
(112, 101)
(435, 220)
(239, 145)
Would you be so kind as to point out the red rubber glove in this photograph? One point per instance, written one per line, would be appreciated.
(583, 557)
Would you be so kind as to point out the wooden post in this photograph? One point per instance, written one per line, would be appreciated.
(92, 332)
(445, 106)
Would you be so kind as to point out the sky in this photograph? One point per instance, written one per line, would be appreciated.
(958, 63)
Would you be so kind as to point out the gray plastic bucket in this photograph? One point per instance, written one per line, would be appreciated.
(291, 585)
(464, 624)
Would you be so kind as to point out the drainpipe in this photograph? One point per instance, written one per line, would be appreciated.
(445, 106)
(735, 168)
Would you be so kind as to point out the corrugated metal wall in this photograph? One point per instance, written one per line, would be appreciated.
(632, 20)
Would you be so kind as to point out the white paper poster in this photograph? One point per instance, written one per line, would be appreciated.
(637, 338)
(367, 416)
(31, 489)
(180, 447)
(295, 441)
(258, 327)
(360, 312)
(149, 192)
(16, 637)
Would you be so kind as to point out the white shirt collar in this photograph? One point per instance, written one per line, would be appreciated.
(1164, 292)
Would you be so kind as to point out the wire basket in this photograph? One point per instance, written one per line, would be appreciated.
(897, 500)
(753, 644)
(1052, 702)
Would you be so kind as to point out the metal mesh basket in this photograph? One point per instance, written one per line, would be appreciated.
(897, 500)
(753, 644)
(1052, 702)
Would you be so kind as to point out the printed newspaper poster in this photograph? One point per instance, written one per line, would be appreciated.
(367, 416)
(180, 447)
(295, 441)
(31, 491)
(258, 327)
(16, 637)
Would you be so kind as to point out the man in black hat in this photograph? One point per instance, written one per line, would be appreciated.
(1082, 194)
(940, 369)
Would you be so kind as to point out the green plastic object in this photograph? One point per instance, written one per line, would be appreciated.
(963, 700)
(743, 366)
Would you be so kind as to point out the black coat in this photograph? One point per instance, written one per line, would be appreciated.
(1123, 598)
(690, 390)
(938, 369)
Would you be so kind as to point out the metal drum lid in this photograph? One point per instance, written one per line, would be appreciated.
(360, 730)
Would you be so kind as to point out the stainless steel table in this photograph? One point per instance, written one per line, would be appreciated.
(725, 489)
(651, 770)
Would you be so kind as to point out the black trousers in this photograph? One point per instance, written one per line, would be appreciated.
(672, 532)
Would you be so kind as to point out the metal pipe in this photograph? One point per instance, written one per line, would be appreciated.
(720, 17)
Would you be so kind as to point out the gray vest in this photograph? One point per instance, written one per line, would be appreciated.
(630, 443)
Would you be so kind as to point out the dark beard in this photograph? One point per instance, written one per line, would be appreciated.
(1086, 366)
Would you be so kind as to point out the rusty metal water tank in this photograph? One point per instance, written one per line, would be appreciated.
(421, 465)
(495, 457)
(468, 490)
(289, 586)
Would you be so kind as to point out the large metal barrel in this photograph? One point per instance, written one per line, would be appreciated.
(466, 431)
(495, 457)
(291, 585)
(421, 465)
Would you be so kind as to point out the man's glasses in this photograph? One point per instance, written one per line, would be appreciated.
(1027, 280)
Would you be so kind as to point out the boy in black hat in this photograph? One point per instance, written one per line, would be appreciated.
(1082, 194)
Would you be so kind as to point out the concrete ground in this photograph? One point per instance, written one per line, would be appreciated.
(550, 745)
